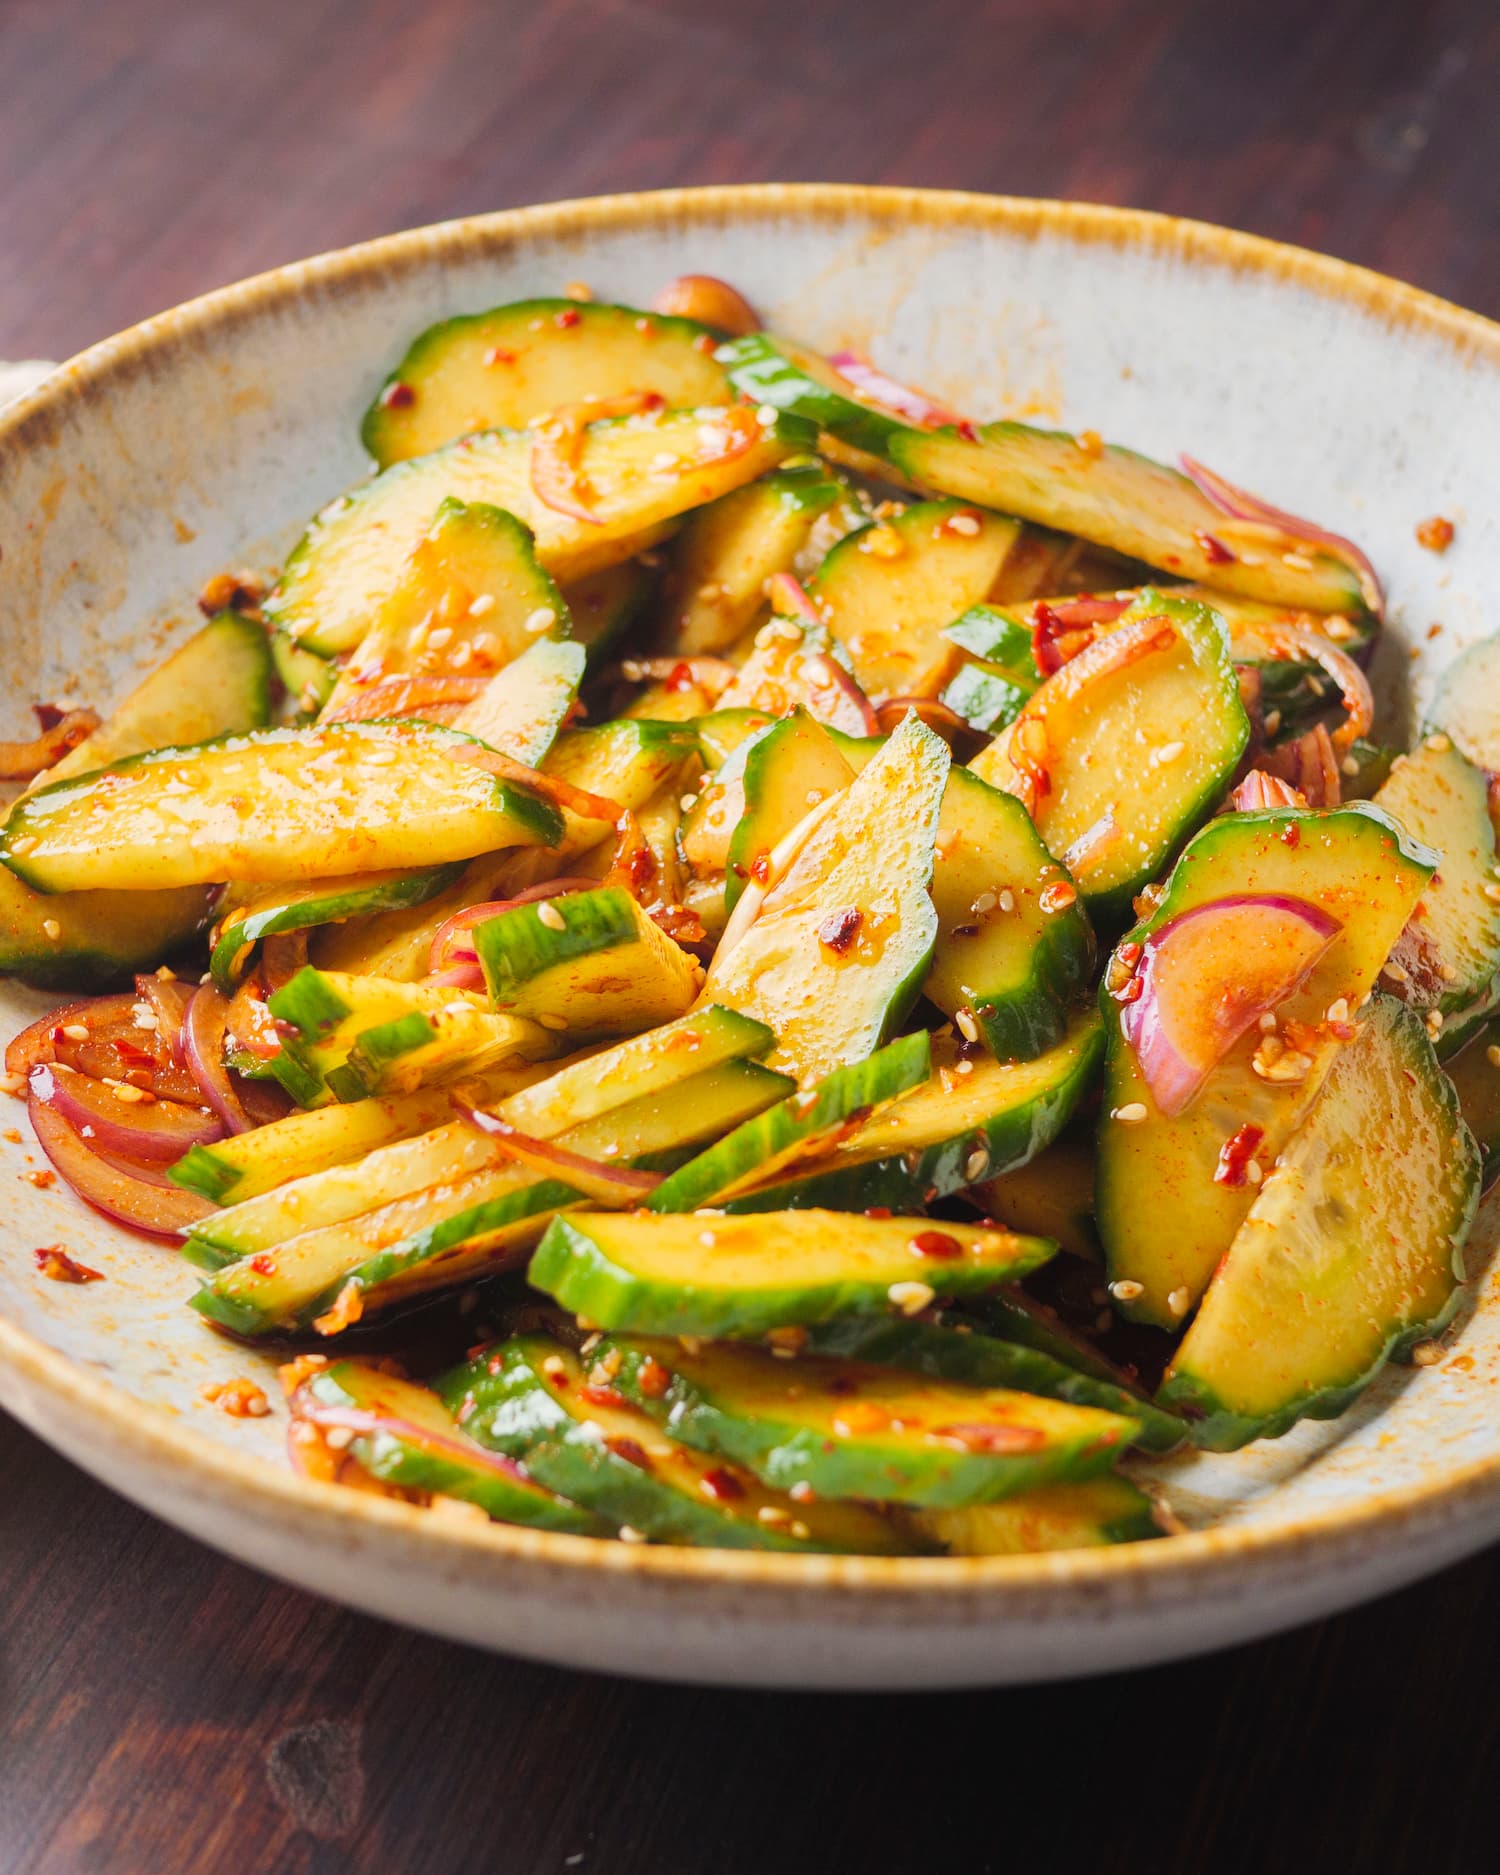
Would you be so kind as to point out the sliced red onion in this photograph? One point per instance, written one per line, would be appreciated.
(1243, 506)
(134, 1128)
(459, 976)
(203, 1052)
(407, 696)
(168, 1000)
(24, 761)
(790, 598)
(440, 954)
(835, 699)
(938, 717)
(1208, 976)
(129, 1196)
(1359, 701)
(595, 1178)
(1259, 790)
(310, 1410)
(902, 400)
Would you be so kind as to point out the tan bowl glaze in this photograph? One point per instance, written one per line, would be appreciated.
(204, 438)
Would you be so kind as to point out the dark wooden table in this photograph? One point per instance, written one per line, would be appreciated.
(164, 1710)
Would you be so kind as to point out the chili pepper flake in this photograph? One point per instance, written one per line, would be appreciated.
(58, 1267)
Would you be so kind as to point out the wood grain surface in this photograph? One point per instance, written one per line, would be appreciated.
(165, 1712)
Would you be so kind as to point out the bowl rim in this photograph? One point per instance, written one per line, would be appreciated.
(1199, 1562)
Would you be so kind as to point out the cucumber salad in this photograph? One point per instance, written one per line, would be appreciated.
(726, 956)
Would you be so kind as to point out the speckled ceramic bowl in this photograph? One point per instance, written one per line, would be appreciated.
(204, 438)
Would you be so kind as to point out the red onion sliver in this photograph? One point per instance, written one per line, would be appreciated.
(595, 1178)
(142, 1128)
(203, 1052)
(902, 400)
(439, 955)
(130, 1198)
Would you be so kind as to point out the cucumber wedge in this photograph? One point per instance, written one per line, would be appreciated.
(803, 1126)
(591, 963)
(887, 591)
(1465, 708)
(521, 710)
(404, 1435)
(1352, 1251)
(950, 1350)
(714, 1275)
(1354, 865)
(1449, 954)
(844, 1430)
(838, 947)
(1051, 1195)
(278, 804)
(470, 599)
(605, 604)
(951, 1132)
(533, 1399)
(778, 777)
(92, 941)
(263, 912)
(1057, 1517)
(643, 472)
(307, 679)
(714, 588)
(768, 369)
(217, 684)
(999, 674)
(499, 369)
(1125, 751)
(1475, 1073)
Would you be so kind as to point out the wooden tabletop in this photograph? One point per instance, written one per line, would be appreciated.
(164, 1710)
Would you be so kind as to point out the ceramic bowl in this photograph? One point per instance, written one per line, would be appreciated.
(204, 438)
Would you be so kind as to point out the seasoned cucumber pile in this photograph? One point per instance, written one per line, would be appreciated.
(728, 957)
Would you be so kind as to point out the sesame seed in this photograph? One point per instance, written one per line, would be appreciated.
(1178, 1301)
(548, 914)
(1126, 1289)
(542, 620)
(977, 1164)
(1168, 752)
(963, 524)
(911, 1298)
(131, 1095)
(766, 415)
(964, 1067)
(799, 1530)
(629, 1534)
(773, 1516)
(1349, 765)
(1338, 629)
(1273, 721)
(76, 1031)
(337, 1437)
(555, 1368)
(1338, 1009)
(439, 636)
(484, 603)
(49, 925)
(1491, 1055)
(986, 901)
(556, 1023)
(1253, 1171)
(1492, 893)
(1426, 1354)
(1007, 901)
(1132, 1113)
(1395, 972)
(1267, 1022)
(968, 1028)
(1438, 743)
(688, 803)
(707, 1239)
(1447, 973)
(1434, 1023)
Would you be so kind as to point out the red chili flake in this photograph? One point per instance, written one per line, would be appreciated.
(263, 1264)
(569, 316)
(760, 868)
(1291, 834)
(494, 1364)
(602, 1396)
(992, 1439)
(1435, 534)
(398, 396)
(879, 1211)
(498, 355)
(58, 1267)
(1130, 991)
(1130, 953)
(938, 1245)
(1057, 897)
(721, 1485)
(1236, 1153)
(1214, 551)
(967, 431)
(631, 1450)
(840, 928)
(652, 1378)
(680, 677)
(1046, 629)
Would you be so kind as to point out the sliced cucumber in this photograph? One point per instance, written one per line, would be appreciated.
(838, 946)
(499, 369)
(715, 1275)
(643, 472)
(956, 1129)
(357, 1036)
(720, 562)
(92, 941)
(469, 600)
(1449, 953)
(534, 1400)
(278, 804)
(217, 684)
(1465, 708)
(783, 774)
(804, 1125)
(950, 1350)
(404, 1435)
(999, 675)
(888, 590)
(723, 732)
(307, 679)
(1126, 750)
(605, 604)
(1354, 865)
(522, 709)
(591, 963)
(797, 661)
(1014, 944)
(1352, 1251)
(1476, 1075)
(771, 370)
(261, 912)
(1051, 1195)
(844, 1430)
(1057, 1517)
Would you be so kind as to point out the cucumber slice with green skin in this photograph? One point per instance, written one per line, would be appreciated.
(404, 1435)
(841, 941)
(723, 732)
(531, 1398)
(499, 369)
(952, 1131)
(1352, 1251)
(1450, 951)
(352, 557)
(720, 562)
(845, 1430)
(949, 1350)
(1140, 736)
(262, 913)
(1051, 1195)
(1475, 1073)
(522, 709)
(1371, 764)
(990, 693)
(480, 1213)
(604, 605)
(1465, 708)
(92, 941)
(744, 1276)
(307, 679)
(887, 591)
(275, 805)
(1129, 504)
(1057, 1517)
(1355, 865)
(591, 963)
(470, 599)
(217, 684)
(803, 1125)
(1014, 944)
(357, 1036)
(789, 377)
(784, 774)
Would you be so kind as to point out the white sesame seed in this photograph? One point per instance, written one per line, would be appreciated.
(555, 1368)
(1434, 1022)
(1132, 1113)
(1395, 972)
(542, 620)
(337, 1437)
(1007, 901)
(773, 1516)
(968, 1028)
(76, 1031)
(1492, 893)
(964, 1067)
(688, 803)
(1491, 1055)
(1267, 1022)
(987, 901)
(707, 1239)
(556, 1023)
(439, 636)
(49, 925)
(1438, 743)
(484, 603)
(798, 1529)
(548, 914)
(629, 1534)
(1126, 1289)
(1178, 1301)
(1168, 752)
(1338, 1009)
(977, 1164)
(1448, 973)
(766, 415)
(131, 1095)
(1338, 629)
(963, 524)
(1426, 1354)
(911, 1298)
(1253, 1171)
(1349, 765)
